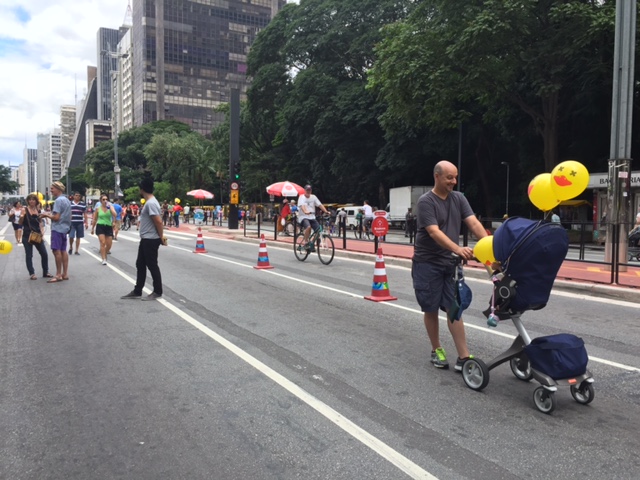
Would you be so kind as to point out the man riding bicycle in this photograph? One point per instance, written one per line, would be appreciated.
(307, 204)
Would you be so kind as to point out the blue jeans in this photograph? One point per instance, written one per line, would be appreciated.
(28, 254)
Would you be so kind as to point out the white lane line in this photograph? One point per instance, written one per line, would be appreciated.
(378, 446)
(443, 318)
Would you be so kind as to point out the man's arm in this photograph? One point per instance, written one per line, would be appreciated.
(446, 243)
(475, 226)
(157, 221)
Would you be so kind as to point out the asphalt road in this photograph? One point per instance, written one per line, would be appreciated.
(241, 373)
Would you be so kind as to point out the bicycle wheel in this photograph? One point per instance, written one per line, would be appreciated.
(288, 229)
(326, 250)
(299, 248)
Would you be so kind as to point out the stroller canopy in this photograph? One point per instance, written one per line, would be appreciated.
(531, 253)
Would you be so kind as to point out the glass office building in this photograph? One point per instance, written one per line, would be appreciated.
(206, 43)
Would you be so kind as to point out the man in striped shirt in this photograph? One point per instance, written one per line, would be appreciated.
(78, 222)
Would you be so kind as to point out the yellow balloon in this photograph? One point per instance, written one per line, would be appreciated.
(5, 247)
(40, 196)
(142, 201)
(177, 200)
(541, 194)
(569, 179)
(483, 250)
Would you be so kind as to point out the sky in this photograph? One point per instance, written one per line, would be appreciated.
(45, 48)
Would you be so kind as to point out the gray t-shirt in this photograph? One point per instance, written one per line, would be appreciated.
(447, 215)
(148, 229)
(62, 205)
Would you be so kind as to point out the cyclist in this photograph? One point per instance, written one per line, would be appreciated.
(368, 215)
(307, 204)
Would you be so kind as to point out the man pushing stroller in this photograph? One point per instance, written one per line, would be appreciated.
(440, 213)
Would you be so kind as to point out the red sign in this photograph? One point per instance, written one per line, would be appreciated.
(380, 213)
(379, 226)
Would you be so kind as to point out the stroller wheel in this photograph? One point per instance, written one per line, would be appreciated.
(521, 369)
(545, 401)
(584, 393)
(475, 374)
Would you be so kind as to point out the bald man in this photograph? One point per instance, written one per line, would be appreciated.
(440, 214)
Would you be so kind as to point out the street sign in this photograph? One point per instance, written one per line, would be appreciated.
(234, 197)
(379, 226)
(234, 186)
(380, 213)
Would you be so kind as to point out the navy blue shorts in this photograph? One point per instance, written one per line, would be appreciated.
(77, 230)
(433, 285)
(306, 222)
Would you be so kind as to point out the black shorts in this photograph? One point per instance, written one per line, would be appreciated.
(16, 226)
(433, 285)
(106, 230)
(305, 222)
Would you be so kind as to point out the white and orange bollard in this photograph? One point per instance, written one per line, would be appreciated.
(263, 256)
(200, 243)
(380, 288)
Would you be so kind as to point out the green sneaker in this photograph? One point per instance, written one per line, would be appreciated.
(439, 358)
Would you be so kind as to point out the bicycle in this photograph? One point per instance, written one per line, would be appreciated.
(319, 239)
(366, 231)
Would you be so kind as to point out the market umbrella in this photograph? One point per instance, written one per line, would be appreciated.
(285, 189)
(200, 194)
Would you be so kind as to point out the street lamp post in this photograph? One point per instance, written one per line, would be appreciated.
(508, 179)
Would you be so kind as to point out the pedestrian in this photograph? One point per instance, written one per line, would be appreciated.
(555, 218)
(151, 237)
(176, 214)
(220, 216)
(60, 217)
(31, 224)
(79, 222)
(342, 221)
(186, 212)
(440, 213)
(102, 225)
(14, 218)
(117, 223)
(285, 211)
(409, 220)
(165, 213)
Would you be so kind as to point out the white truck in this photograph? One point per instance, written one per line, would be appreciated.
(400, 199)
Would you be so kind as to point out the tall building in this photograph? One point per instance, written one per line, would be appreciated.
(187, 66)
(107, 41)
(30, 160)
(123, 83)
(49, 160)
(67, 131)
(21, 178)
(88, 112)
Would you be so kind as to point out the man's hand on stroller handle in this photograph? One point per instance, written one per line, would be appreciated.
(465, 252)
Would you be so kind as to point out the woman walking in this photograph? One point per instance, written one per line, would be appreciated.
(14, 217)
(102, 225)
(31, 224)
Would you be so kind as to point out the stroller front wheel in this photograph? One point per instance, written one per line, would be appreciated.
(584, 393)
(475, 374)
(544, 400)
(521, 369)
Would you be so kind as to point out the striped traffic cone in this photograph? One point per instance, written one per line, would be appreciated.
(380, 289)
(263, 256)
(200, 243)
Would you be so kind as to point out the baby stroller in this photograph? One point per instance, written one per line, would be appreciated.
(531, 253)
(634, 244)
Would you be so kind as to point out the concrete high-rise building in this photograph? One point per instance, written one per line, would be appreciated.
(124, 84)
(88, 112)
(30, 159)
(21, 178)
(203, 47)
(49, 160)
(107, 42)
(67, 131)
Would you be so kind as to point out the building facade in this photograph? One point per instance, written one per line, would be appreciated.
(67, 132)
(30, 160)
(49, 160)
(205, 45)
(124, 84)
(107, 41)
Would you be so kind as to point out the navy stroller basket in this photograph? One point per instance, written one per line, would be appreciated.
(531, 254)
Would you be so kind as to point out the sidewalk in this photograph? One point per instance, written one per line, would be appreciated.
(582, 276)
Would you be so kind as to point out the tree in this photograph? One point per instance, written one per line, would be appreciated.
(453, 57)
(6, 184)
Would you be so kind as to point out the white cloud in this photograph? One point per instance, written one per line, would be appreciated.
(42, 59)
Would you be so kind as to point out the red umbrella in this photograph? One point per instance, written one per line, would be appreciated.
(200, 194)
(285, 189)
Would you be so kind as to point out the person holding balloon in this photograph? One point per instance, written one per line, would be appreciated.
(440, 213)
(31, 223)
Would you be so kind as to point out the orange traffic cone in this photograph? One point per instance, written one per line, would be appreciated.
(200, 243)
(263, 256)
(380, 289)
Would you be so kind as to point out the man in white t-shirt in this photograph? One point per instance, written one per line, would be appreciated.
(307, 204)
(368, 215)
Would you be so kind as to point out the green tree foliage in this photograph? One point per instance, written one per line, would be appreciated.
(6, 184)
(452, 60)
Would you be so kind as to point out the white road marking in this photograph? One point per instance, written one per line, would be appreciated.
(413, 310)
(385, 451)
